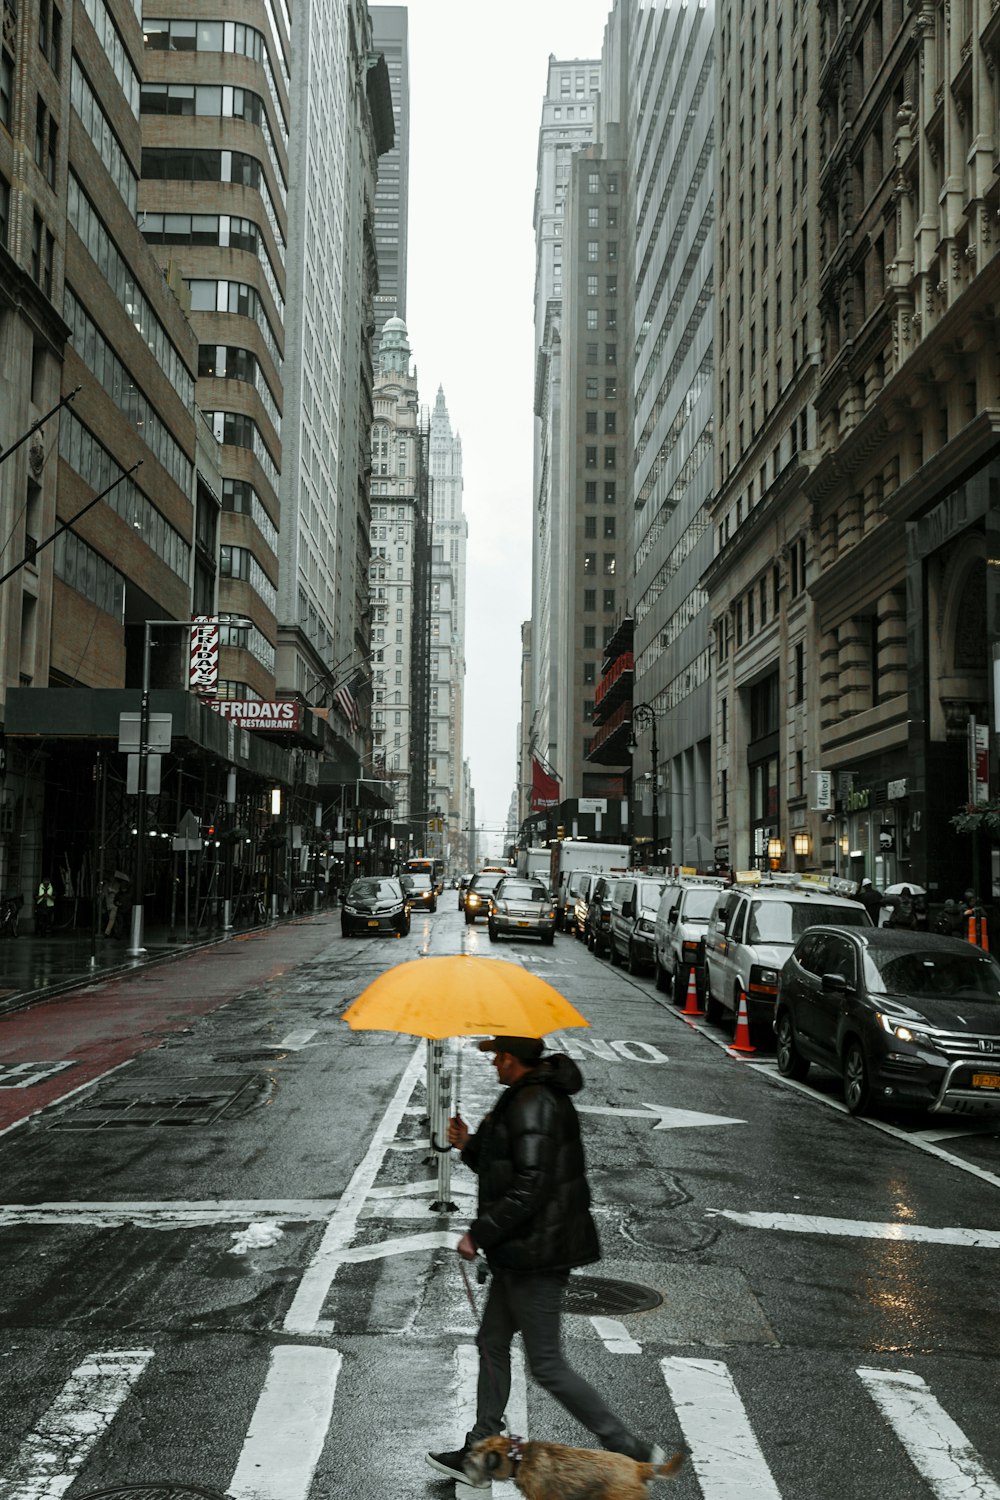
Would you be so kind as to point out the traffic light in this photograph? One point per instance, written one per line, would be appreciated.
(560, 832)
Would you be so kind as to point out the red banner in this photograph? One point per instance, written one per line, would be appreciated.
(544, 788)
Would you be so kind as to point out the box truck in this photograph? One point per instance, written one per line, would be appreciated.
(569, 856)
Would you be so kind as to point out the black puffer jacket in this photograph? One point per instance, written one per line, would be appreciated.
(534, 1201)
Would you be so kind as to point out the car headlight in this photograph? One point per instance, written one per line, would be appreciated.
(472, 899)
(551, 912)
(644, 925)
(768, 976)
(904, 1033)
(351, 911)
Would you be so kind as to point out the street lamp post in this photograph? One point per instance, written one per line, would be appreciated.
(644, 714)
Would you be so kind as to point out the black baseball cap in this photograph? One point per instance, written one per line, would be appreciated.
(525, 1048)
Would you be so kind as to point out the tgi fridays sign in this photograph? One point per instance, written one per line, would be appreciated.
(203, 676)
(254, 713)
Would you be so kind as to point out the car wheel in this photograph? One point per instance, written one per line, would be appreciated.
(791, 1063)
(632, 964)
(662, 977)
(548, 938)
(613, 958)
(680, 986)
(491, 928)
(434, 906)
(344, 930)
(857, 1083)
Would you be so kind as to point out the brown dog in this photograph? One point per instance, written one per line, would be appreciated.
(551, 1471)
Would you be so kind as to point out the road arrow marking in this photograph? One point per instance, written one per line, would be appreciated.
(666, 1119)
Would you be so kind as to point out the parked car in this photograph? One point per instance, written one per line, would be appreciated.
(570, 886)
(375, 904)
(598, 925)
(751, 933)
(479, 891)
(906, 1018)
(582, 902)
(680, 925)
(423, 892)
(634, 904)
(521, 908)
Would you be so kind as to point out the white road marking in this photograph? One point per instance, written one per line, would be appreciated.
(168, 1215)
(666, 1118)
(285, 1438)
(409, 1208)
(307, 1304)
(579, 1047)
(862, 1229)
(615, 1336)
(23, 1075)
(54, 1452)
(431, 1239)
(939, 1449)
(726, 1456)
(295, 1041)
(466, 1372)
(91, 1083)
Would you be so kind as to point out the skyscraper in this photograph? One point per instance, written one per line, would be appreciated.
(390, 36)
(568, 111)
(447, 645)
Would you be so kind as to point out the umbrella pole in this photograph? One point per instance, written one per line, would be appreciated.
(439, 1132)
(432, 1089)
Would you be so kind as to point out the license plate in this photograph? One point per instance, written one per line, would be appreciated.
(373, 922)
(986, 1080)
(524, 924)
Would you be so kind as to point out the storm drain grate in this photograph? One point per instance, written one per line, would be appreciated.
(183, 1103)
(588, 1295)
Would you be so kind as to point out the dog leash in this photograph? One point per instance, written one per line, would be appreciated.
(516, 1443)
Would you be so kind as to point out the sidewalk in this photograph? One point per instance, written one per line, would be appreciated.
(35, 968)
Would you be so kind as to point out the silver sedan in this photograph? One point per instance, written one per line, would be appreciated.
(522, 908)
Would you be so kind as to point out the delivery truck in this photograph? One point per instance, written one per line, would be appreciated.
(534, 862)
(576, 856)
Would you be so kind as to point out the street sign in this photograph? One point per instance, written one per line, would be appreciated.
(160, 728)
(592, 805)
(153, 765)
(187, 839)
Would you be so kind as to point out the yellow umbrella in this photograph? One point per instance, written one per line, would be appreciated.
(461, 995)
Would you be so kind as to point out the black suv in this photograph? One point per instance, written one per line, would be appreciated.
(906, 1018)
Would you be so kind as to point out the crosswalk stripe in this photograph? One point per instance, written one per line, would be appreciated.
(286, 1434)
(52, 1454)
(466, 1377)
(938, 1448)
(726, 1456)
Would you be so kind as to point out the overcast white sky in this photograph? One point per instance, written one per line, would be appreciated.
(477, 77)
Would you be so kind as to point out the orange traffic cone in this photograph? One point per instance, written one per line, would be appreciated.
(691, 998)
(741, 1041)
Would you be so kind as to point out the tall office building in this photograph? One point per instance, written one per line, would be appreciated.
(670, 115)
(447, 644)
(767, 337)
(568, 112)
(392, 196)
(400, 584)
(341, 125)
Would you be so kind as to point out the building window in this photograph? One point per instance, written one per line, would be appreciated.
(593, 218)
(592, 248)
(590, 637)
(590, 562)
(610, 458)
(611, 354)
(590, 457)
(590, 492)
(610, 492)
(800, 672)
(609, 601)
(5, 223)
(610, 421)
(6, 86)
(611, 387)
(592, 354)
(609, 527)
(591, 319)
(590, 528)
(591, 286)
(588, 673)
(610, 563)
(590, 421)
(591, 391)
(590, 600)
(593, 182)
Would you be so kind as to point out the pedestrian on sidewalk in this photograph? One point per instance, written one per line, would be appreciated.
(534, 1226)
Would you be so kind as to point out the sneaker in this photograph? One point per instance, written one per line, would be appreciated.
(450, 1465)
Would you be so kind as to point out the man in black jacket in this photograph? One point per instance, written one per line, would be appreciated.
(534, 1225)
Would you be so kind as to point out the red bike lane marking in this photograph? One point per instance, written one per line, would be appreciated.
(100, 1028)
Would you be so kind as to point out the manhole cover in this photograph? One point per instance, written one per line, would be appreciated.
(160, 1489)
(599, 1294)
(183, 1102)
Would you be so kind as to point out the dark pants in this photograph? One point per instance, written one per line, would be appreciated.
(531, 1305)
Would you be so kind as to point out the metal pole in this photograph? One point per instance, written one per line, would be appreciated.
(227, 905)
(136, 950)
(95, 914)
(656, 795)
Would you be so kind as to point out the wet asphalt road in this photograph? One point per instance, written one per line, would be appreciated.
(827, 1327)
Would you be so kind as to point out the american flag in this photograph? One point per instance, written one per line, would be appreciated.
(344, 699)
